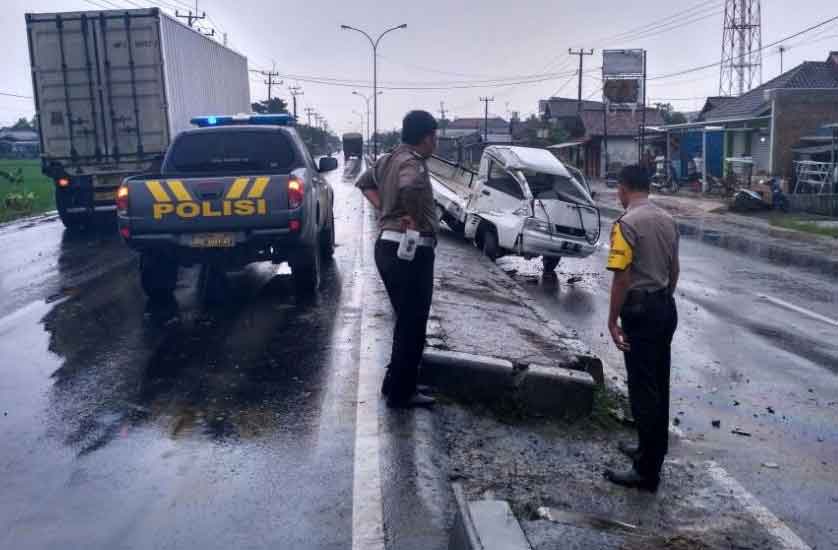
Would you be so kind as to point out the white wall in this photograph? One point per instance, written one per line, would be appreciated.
(620, 149)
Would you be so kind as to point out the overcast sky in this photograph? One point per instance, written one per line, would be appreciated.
(448, 44)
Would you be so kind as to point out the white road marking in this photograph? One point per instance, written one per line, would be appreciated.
(786, 538)
(367, 499)
(803, 311)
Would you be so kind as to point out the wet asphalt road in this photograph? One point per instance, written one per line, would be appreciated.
(751, 351)
(233, 428)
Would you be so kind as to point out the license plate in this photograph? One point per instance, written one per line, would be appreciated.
(104, 196)
(213, 240)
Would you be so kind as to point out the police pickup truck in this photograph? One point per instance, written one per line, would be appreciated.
(236, 190)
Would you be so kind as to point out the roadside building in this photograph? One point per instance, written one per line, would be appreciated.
(756, 133)
(593, 130)
(19, 143)
(462, 140)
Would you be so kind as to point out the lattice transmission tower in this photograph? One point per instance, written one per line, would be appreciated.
(741, 68)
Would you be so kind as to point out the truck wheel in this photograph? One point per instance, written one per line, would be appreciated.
(491, 249)
(73, 222)
(158, 275)
(550, 263)
(306, 272)
(327, 239)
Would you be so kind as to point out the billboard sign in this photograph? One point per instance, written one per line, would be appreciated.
(622, 62)
(622, 90)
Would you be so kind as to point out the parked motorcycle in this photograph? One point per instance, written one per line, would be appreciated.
(664, 180)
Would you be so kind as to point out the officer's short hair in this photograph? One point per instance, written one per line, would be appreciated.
(416, 126)
(634, 177)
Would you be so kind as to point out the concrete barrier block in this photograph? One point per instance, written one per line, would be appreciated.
(468, 377)
(557, 392)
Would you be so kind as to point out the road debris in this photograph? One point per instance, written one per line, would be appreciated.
(770, 410)
(771, 465)
(740, 431)
(717, 423)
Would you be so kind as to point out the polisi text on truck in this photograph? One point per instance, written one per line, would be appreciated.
(172, 198)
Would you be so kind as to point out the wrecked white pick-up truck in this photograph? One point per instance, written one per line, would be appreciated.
(523, 201)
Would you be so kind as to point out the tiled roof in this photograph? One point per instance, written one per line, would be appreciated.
(621, 123)
(807, 75)
(495, 123)
(561, 107)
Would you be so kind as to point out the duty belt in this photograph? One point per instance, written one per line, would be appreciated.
(396, 237)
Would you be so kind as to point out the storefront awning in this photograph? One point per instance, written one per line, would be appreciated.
(566, 144)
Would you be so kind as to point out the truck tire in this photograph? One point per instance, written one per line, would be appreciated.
(74, 221)
(305, 270)
(550, 263)
(158, 275)
(490, 246)
(327, 239)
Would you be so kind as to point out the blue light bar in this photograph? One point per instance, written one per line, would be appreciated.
(278, 119)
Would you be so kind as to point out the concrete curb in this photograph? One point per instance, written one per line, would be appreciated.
(463, 533)
(553, 392)
(485, 525)
(786, 255)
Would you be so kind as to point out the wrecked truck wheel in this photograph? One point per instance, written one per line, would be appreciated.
(158, 276)
(550, 263)
(491, 249)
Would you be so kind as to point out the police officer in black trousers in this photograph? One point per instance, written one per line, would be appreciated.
(399, 186)
(644, 259)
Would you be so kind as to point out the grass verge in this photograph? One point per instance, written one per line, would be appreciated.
(33, 182)
(807, 225)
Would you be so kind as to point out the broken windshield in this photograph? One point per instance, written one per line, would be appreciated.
(552, 186)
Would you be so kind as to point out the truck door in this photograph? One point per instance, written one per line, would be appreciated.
(499, 197)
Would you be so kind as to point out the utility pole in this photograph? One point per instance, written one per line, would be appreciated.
(581, 53)
(309, 113)
(486, 101)
(271, 82)
(295, 91)
(191, 19)
(442, 112)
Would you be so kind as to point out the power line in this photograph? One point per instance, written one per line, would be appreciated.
(771, 45)
(18, 96)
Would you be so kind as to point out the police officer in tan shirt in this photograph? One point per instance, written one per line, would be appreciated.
(399, 186)
(644, 259)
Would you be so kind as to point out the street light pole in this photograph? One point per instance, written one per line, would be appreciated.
(367, 101)
(374, 44)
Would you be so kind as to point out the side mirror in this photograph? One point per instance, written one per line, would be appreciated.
(327, 164)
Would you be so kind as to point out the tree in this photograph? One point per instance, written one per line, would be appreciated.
(275, 105)
(670, 115)
(23, 124)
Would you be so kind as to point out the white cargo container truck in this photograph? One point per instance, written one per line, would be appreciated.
(113, 88)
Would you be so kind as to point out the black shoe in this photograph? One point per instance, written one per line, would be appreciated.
(415, 400)
(631, 451)
(387, 384)
(633, 480)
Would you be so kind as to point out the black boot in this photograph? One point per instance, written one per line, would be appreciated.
(415, 400)
(630, 450)
(633, 479)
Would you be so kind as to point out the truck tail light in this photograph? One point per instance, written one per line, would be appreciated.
(294, 225)
(62, 182)
(125, 232)
(296, 192)
(122, 200)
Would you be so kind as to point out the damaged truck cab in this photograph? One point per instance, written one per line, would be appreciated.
(523, 201)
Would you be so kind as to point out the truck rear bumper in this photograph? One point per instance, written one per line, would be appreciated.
(257, 245)
(536, 243)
